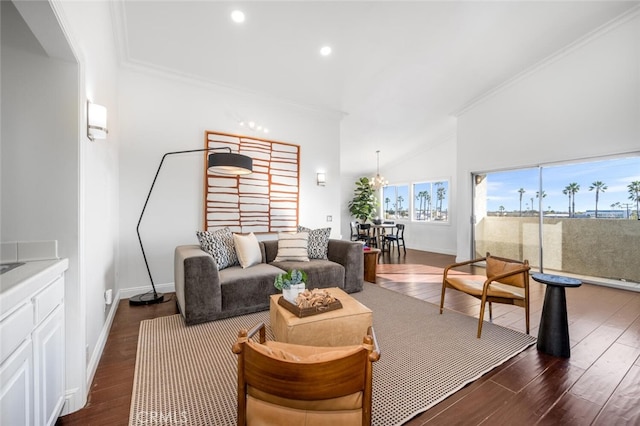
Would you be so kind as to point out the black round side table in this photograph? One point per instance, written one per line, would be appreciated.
(553, 334)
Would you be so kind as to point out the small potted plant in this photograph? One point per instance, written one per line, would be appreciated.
(291, 283)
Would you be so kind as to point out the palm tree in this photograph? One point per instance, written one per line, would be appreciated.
(421, 197)
(634, 195)
(532, 206)
(566, 191)
(521, 191)
(386, 202)
(399, 200)
(501, 208)
(599, 186)
(440, 194)
(428, 199)
(572, 189)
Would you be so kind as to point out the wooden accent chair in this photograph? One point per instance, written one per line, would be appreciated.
(506, 281)
(283, 383)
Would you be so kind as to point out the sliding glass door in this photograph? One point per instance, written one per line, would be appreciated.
(579, 218)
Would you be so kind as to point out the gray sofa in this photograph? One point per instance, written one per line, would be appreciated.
(205, 294)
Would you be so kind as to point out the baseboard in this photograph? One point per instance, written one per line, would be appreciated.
(438, 250)
(126, 293)
(102, 341)
(73, 401)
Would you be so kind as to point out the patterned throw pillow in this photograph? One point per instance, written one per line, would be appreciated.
(318, 246)
(292, 247)
(219, 244)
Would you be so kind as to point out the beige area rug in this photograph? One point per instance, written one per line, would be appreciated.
(187, 375)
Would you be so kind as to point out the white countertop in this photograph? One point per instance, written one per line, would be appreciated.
(22, 282)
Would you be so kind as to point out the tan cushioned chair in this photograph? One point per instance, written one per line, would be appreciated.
(283, 383)
(506, 281)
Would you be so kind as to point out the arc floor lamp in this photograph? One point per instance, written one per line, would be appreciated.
(218, 163)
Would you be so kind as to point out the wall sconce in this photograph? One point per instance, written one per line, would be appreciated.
(321, 178)
(96, 121)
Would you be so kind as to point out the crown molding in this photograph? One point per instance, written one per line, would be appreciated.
(195, 80)
(562, 53)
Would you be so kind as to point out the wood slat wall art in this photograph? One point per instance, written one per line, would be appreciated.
(263, 201)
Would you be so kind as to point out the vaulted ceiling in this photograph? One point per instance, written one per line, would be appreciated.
(399, 71)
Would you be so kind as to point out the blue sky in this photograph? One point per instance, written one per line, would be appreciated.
(502, 187)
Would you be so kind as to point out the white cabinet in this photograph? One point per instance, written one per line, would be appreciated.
(32, 363)
(48, 367)
(16, 387)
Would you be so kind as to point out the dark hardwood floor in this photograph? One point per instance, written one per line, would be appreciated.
(599, 384)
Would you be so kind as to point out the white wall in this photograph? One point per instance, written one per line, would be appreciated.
(89, 29)
(159, 114)
(583, 103)
(437, 161)
(39, 141)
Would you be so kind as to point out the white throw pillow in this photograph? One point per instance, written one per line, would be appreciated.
(247, 249)
(292, 247)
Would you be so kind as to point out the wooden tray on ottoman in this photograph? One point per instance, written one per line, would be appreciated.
(307, 312)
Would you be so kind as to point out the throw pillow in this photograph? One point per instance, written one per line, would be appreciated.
(318, 245)
(292, 247)
(247, 249)
(219, 244)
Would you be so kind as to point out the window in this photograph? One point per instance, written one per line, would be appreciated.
(428, 201)
(431, 201)
(396, 202)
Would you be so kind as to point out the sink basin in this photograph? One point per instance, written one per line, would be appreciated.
(6, 267)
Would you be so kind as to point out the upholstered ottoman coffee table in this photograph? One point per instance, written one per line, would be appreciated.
(341, 327)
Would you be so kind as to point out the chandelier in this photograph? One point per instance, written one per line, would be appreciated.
(378, 181)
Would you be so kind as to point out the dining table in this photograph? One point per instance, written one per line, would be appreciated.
(379, 231)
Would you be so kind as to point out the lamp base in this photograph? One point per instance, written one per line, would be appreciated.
(146, 299)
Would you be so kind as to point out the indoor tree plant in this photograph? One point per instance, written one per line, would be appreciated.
(291, 283)
(363, 205)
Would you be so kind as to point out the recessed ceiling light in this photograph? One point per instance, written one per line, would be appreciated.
(237, 16)
(325, 50)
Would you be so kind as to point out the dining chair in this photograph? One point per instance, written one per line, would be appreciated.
(367, 235)
(355, 232)
(397, 237)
